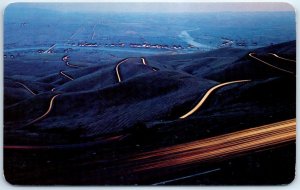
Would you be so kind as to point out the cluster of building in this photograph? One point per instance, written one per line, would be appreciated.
(242, 43)
(155, 46)
(87, 44)
(40, 51)
(10, 56)
(132, 45)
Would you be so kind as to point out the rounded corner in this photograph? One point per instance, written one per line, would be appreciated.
(6, 180)
(291, 181)
(10, 5)
(289, 4)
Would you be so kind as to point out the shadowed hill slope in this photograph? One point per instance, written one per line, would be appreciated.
(146, 97)
(95, 103)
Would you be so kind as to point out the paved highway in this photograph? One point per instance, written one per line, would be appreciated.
(170, 160)
(46, 113)
(218, 147)
(71, 65)
(277, 56)
(269, 64)
(28, 89)
(117, 68)
(50, 48)
(207, 95)
(145, 63)
(65, 59)
(66, 75)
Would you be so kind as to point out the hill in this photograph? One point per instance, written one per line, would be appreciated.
(153, 93)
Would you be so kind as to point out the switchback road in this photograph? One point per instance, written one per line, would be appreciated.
(65, 59)
(117, 68)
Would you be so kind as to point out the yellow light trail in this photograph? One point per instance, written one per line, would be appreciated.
(118, 65)
(71, 65)
(46, 113)
(65, 75)
(26, 87)
(219, 147)
(143, 61)
(117, 69)
(275, 55)
(207, 95)
(286, 71)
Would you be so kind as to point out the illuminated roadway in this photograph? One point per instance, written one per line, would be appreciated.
(275, 55)
(145, 63)
(182, 156)
(47, 112)
(65, 75)
(65, 60)
(117, 68)
(207, 95)
(28, 89)
(71, 65)
(218, 147)
(51, 101)
(264, 62)
(199, 151)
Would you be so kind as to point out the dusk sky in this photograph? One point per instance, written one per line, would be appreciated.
(165, 7)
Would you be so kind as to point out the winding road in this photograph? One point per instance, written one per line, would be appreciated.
(26, 87)
(252, 55)
(201, 151)
(117, 68)
(66, 75)
(211, 90)
(277, 56)
(65, 59)
(71, 65)
(46, 113)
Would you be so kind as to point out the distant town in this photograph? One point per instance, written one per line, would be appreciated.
(132, 45)
(226, 42)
